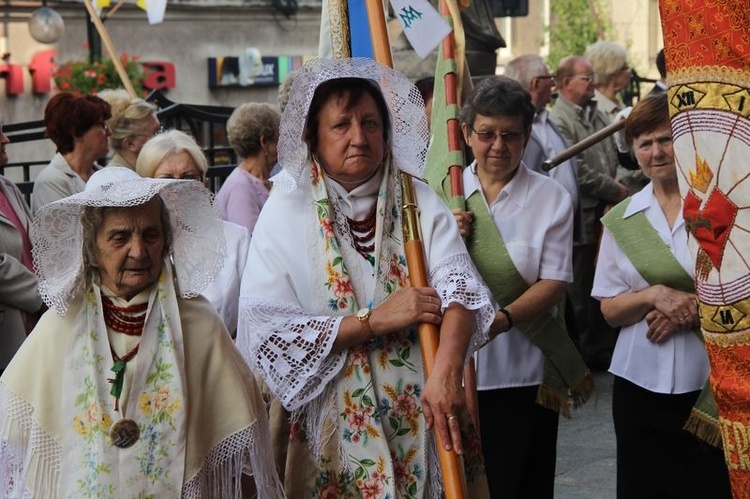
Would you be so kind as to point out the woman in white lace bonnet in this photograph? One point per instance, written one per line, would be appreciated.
(130, 385)
(327, 317)
(132, 124)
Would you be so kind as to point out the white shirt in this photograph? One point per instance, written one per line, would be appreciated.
(534, 215)
(553, 144)
(224, 292)
(678, 365)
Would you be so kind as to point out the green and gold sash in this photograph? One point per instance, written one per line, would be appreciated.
(567, 382)
(645, 249)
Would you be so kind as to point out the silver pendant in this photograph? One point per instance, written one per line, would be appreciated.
(124, 433)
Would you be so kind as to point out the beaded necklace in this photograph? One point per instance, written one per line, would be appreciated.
(117, 319)
(363, 231)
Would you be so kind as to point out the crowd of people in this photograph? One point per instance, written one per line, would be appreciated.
(268, 341)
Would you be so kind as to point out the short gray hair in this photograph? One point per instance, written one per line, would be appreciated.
(166, 144)
(607, 59)
(92, 218)
(525, 68)
(249, 123)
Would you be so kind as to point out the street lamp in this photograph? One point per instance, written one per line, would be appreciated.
(45, 24)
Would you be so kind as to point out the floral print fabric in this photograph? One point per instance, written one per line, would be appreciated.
(94, 467)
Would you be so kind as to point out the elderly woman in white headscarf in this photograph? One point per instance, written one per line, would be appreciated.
(130, 385)
(327, 316)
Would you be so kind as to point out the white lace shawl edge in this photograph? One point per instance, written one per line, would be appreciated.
(257, 325)
(248, 450)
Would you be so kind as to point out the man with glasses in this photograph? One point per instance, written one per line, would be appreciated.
(546, 141)
(576, 115)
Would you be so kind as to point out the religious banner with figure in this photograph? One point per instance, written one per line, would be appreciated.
(707, 49)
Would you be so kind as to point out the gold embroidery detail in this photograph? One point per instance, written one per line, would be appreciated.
(701, 177)
(725, 318)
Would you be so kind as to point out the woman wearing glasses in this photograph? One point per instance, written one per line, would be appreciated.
(133, 122)
(519, 228)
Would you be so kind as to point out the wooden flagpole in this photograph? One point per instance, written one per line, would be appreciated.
(429, 335)
(110, 48)
(455, 172)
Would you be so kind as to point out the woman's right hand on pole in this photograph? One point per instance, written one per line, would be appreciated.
(406, 307)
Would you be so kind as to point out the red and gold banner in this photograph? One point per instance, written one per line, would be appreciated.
(707, 49)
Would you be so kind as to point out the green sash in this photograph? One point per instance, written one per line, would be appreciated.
(657, 265)
(567, 382)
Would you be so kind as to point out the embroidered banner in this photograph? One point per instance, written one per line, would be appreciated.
(707, 49)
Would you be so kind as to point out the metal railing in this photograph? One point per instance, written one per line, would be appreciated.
(207, 124)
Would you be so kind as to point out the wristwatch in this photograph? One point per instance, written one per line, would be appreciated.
(363, 316)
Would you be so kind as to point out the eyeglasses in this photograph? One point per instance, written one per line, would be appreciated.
(490, 137)
(548, 77)
(183, 176)
(587, 77)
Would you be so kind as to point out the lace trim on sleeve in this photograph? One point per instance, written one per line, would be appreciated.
(289, 348)
(455, 280)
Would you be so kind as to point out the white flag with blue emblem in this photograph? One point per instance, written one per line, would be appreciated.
(424, 27)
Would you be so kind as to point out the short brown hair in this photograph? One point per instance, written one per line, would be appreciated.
(649, 114)
(69, 116)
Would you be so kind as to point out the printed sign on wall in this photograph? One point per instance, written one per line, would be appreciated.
(251, 69)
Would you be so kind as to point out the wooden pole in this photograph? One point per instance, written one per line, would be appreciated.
(455, 172)
(584, 144)
(429, 336)
(110, 49)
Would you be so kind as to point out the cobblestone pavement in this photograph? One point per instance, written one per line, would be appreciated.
(586, 451)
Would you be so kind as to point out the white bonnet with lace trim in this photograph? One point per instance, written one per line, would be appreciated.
(198, 245)
(408, 138)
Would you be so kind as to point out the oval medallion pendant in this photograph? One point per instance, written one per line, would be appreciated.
(124, 433)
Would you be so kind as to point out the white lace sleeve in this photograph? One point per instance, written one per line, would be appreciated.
(289, 348)
(455, 280)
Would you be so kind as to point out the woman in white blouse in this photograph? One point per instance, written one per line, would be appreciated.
(519, 230)
(645, 285)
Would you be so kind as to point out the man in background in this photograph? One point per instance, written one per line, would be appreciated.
(546, 141)
(576, 115)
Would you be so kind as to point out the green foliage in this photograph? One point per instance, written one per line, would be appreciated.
(573, 27)
(83, 77)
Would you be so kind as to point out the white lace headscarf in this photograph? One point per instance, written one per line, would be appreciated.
(408, 130)
(198, 245)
